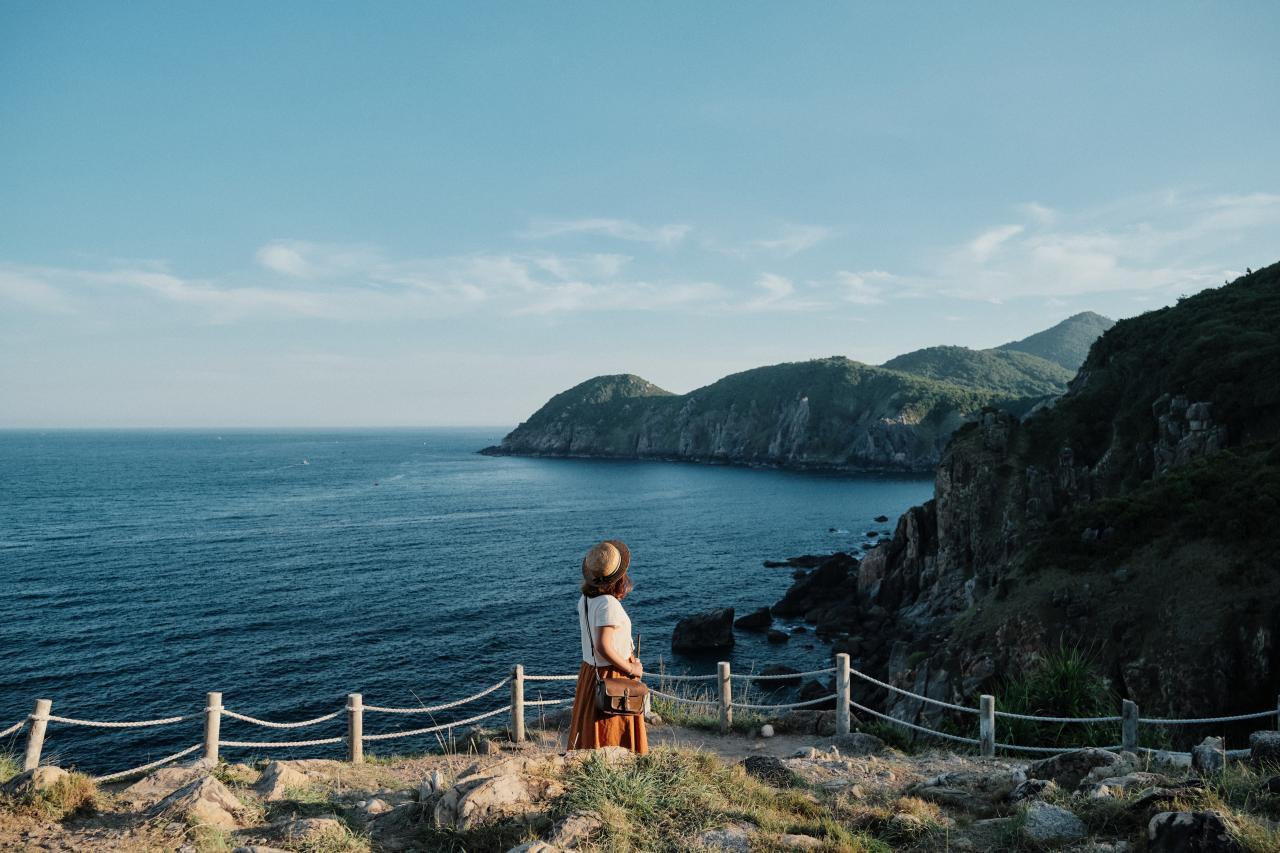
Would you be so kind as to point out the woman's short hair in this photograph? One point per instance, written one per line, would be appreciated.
(617, 587)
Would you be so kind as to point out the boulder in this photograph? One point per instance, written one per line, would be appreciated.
(1032, 789)
(1046, 824)
(792, 841)
(775, 636)
(734, 838)
(536, 847)
(575, 830)
(1069, 768)
(1209, 756)
(779, 669)
(307, 828)
(1264, 748)
(757, 620)
(1115, 786)
(768, 769)
(979, 792)
(858, 743)
(376, 806)
(815, 689)
(32, 781)
(276, 778)
(518, 789)
(1190, 832)
(704, 632)
(205, 800)
(158, 784)
(1272, 785)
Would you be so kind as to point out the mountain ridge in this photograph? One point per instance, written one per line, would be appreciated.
(831, 413)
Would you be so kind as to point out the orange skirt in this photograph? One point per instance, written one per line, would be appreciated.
(590, 729)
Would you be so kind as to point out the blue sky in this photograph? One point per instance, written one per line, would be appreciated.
(316, 214)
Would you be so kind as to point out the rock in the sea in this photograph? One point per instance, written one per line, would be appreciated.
(1046, 824)
(701, 632)
(776, 636)
(757, 620)
(1209, 756)
(205, 800)
(1190, 832)
(881, 519)
(1264, 747)
(32, 781)
(277, 777)
(1069, 768)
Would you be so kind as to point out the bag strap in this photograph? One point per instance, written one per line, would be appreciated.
(591, 635)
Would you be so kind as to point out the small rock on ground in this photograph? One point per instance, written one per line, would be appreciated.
(1190, 832)
(205, 800)
(1046, 824)
(735, 838)
(32, 781)
(276, 778)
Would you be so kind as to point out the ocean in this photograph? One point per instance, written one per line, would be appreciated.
(142, 568)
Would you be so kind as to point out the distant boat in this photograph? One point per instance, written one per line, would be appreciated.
(306, 461)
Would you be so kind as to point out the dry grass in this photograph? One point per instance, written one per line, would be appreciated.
(10, 766)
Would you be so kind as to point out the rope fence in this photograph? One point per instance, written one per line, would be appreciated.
(720, 696)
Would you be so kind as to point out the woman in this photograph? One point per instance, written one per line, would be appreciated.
(606, 649)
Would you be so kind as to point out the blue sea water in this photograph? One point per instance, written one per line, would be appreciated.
(140, 569)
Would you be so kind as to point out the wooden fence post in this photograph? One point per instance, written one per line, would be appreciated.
(842, 693)
(517, 703)
(726, 697)
(355, 728)
(212, 725)
(1129, 725)
(35, 738)
(987, 725)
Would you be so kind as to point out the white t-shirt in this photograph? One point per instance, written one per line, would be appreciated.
(604, 610)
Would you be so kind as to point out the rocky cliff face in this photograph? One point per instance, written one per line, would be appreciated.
(1131, 518)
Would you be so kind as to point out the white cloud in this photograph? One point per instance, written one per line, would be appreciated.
(618, 229)
(1038, 213)
(863, 288)
(794, 239)
(985, 244)
(33, 292)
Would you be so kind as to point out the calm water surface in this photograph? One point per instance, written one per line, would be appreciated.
(140, 569)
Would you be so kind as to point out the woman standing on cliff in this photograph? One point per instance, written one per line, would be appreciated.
(607, 650)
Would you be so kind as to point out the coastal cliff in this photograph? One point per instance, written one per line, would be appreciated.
(831, 413)
(1134, 518)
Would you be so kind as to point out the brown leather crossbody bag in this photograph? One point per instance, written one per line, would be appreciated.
(623, 696)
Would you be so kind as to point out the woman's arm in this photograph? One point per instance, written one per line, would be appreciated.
(607, 650)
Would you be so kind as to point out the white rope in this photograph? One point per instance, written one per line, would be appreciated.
(785, 707)
(389, 735)
(268, 745)
(110, 777)
(233, 715)
(666, 677)
(14, 727)
(100, 724)
(1156, 721)
(751, 677)
(1056, 750)
(551, 678)
(1037, 719)
(539, 702)
(442, 707)
(962, 708)
(905, 724)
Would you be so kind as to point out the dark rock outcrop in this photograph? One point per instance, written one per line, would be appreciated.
(1190, 832)
(703, 632)
(757, 620)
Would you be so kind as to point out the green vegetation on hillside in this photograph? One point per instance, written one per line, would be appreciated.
(1221, 345)
(1066, 344)
(1009, 373)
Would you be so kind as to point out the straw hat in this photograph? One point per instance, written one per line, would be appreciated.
(606, 562)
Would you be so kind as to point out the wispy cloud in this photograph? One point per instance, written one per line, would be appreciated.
(1168, 242)
(793, 240)
(864, 288)
(618, 229)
